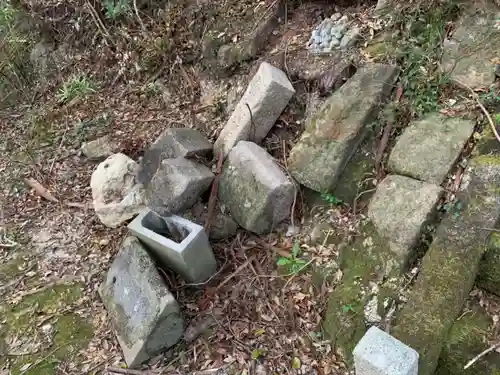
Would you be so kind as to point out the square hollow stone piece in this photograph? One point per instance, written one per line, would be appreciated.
(144, 313)
(177, 243)
(378, 353)
(429, 147)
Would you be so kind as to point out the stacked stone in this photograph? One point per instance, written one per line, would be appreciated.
(333, 33)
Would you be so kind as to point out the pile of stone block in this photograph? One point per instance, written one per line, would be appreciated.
(166, 188)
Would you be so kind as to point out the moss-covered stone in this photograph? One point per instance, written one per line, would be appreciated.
(333, 134)
(488, 277)
(359, 168)
(467, 338)
(450, 266)
(71, 332)
(366, 264)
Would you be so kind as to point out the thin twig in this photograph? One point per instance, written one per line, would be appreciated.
(138, 16)
(481, 355)
(252, 124)
(58, 151)
(3, 237)
(213, 195)
(480, 105)
(238, 270)
(127, 371)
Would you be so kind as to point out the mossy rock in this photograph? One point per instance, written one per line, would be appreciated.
(488, 277)
(358, 169)
(450, 266)
(366, 262)
(71, 332)
(467, 338)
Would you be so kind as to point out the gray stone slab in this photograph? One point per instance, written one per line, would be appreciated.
(173, 143)
(470, 54)
(428, 148)
(334, 133)
(267, 95)
(451, 263)
(100, 148)
(178, 244)
(255, 189)
(400, 208)
(177, 185)
(378, 353)
(143, 312)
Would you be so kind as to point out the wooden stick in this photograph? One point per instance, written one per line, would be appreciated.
(213, 195)
(127, 371)
(480, 105)
(481, 355)
(238, 270)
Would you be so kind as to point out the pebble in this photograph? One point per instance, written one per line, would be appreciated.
(104, 242)
(332, 33)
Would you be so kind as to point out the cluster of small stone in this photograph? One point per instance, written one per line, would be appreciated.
(333, 33)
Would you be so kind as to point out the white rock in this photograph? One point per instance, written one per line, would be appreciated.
(343, 19)
(334, 42)
(335, 16)
(116, 194)
(350, 38)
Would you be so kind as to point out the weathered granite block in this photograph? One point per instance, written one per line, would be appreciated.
(371, 280)
(266, 97)
(173, 143)
(177, 185)
(378, 353)
(450, 266)
(470, 54)
(467, 338)
(178, 244)
(255, 189)
(488, 276)
(428, 148)
(400, 208)
(143, 312)
(336, 131)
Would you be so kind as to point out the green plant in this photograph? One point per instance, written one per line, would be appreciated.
(330, 198)
(293, 263)
(76, 86)
(348, 308)
(116, 8)
(418, 43)
(497, 118)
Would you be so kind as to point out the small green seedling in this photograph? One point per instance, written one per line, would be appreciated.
(293, 263)
(116, 8)
(348, 308)
(77, 86)
(330, 198)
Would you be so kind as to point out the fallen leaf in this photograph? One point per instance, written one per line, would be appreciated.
(39, 189)
(296, 363)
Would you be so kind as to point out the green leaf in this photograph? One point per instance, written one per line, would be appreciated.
(295, 249)
(284, 261)
(347, 308)
(296, 363)
(257, 353)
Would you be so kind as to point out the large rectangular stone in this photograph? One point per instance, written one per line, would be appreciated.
(266, 97)
(450, 266)
(178, 244)
(399, 209)
(255, 189)
(144, 313)
(428, 148)
(378, 353)
(335, 132)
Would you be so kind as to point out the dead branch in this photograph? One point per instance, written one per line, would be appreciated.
(127, 371)
(138, 16)
(6, 242)
(481, 355)
(482, 107)
(40, 190)
(237, 271)
(213, 195)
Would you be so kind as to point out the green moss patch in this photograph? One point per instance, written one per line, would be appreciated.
(488, 277)
(467, 338)
(365, 263)
(70, 333)
(449, 268)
